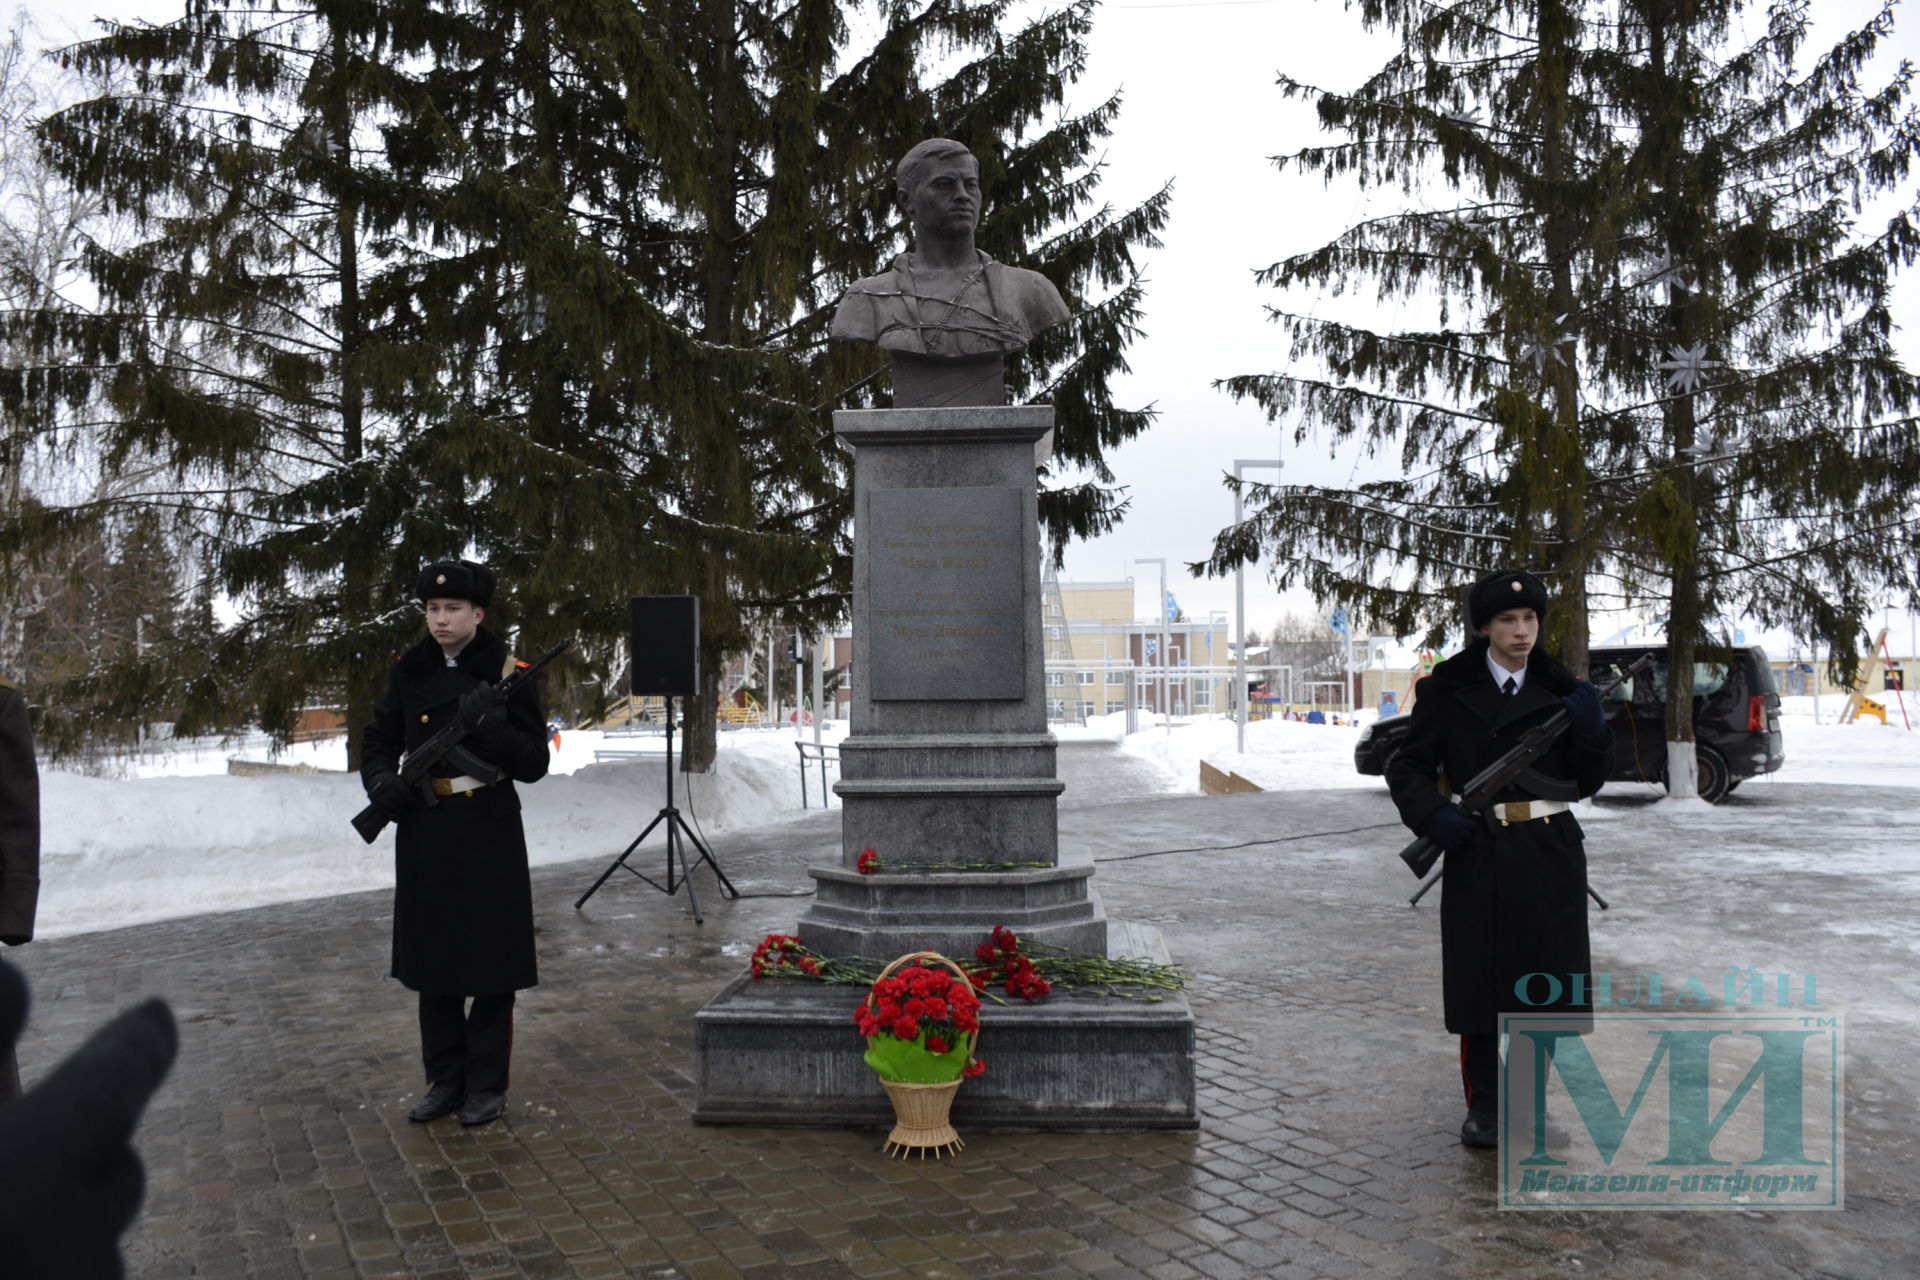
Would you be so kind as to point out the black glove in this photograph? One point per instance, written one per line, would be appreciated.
(1449, 828)
(483, 710)
(69, 1179)
(1585, 715)
(392, 797)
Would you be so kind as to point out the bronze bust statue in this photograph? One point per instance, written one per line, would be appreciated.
(946, 313)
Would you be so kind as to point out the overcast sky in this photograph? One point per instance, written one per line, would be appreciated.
(1201, 109)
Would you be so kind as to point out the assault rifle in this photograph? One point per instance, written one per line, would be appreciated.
(1479, 793)
(446, 745)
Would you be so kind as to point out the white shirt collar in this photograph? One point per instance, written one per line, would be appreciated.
(1501, 675)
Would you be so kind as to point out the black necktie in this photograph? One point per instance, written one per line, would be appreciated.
(1511, 687)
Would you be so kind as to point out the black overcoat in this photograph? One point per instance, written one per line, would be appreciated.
(462, 900)
(19, 819)
(1513, 902)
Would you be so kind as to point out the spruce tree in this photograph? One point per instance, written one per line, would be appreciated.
(549, 285)
(1759, 416)
(1662, 238)
(233, 339)
(703, 180)
(1484, 410)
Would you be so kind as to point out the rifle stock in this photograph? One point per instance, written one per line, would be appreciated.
(370, 822)
(1420, 856)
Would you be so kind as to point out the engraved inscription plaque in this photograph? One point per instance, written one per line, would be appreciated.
(947, 594)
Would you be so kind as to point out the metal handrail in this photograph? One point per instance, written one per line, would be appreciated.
(826, 755)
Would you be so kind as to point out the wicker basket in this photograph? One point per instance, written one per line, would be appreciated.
(920, 1110)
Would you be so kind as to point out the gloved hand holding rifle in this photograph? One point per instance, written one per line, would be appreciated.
(482, 711)
(1451, 828)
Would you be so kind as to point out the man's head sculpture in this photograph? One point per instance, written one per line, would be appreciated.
(947, 314)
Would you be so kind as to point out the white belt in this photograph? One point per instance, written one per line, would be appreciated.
(1527, 810)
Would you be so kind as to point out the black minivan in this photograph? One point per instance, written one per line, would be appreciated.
(1736, 720)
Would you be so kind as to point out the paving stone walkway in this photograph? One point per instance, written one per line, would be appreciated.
(280, 1146)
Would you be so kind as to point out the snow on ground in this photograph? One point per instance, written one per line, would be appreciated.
(187, 838)
(181, 836)
(1281, 754)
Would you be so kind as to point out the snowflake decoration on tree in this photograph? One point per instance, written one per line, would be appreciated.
(1685, 365)
(1714, 452)
(1663, 270)
(1536, 351)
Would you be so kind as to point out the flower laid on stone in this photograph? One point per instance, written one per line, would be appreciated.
(1031, 970)
(869, 862)
(1005, 961)
(1022, 967)
(783, 954)
(920, 1023)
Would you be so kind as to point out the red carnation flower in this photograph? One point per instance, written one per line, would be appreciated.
(867, 863)
(906, 1029)
(976, 1067)
(936, 1045)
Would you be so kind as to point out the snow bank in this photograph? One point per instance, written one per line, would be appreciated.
(1281, 755)
(187, 841)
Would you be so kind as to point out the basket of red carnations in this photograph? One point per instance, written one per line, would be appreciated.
(922, 1024)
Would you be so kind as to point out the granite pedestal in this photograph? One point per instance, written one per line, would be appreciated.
(948, 762)
(947, 774)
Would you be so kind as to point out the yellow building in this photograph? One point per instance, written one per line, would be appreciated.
(1103, 641)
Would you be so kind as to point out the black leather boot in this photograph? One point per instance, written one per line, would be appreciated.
(483, 1107)
(1480, 1130)
(443, 1099)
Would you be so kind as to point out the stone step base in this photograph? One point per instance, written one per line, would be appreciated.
(890, 913)
(785, 1052)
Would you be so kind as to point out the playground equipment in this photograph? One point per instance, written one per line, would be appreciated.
(1858, 703)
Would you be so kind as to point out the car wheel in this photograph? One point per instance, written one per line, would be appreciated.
(1710, 775)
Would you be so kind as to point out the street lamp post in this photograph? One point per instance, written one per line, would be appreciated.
(1240, 609)
(1164, 688)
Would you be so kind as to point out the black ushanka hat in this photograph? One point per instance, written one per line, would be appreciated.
(1503, 590)
(455, 580)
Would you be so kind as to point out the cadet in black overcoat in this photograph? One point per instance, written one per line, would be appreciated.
(19, 844)
(1514, 899)
(462, 903)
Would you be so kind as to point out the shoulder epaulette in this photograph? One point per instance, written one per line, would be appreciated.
(8, 684)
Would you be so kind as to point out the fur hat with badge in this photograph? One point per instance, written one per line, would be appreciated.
(455, 580)
(1503, 590)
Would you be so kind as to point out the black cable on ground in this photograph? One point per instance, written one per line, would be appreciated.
(1227, 848)
(698, 830)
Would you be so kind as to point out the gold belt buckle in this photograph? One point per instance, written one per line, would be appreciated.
(443, 786)
(1520, 811)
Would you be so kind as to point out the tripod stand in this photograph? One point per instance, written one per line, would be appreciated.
(676, 828)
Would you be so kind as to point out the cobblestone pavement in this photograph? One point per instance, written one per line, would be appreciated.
(280, 1147)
